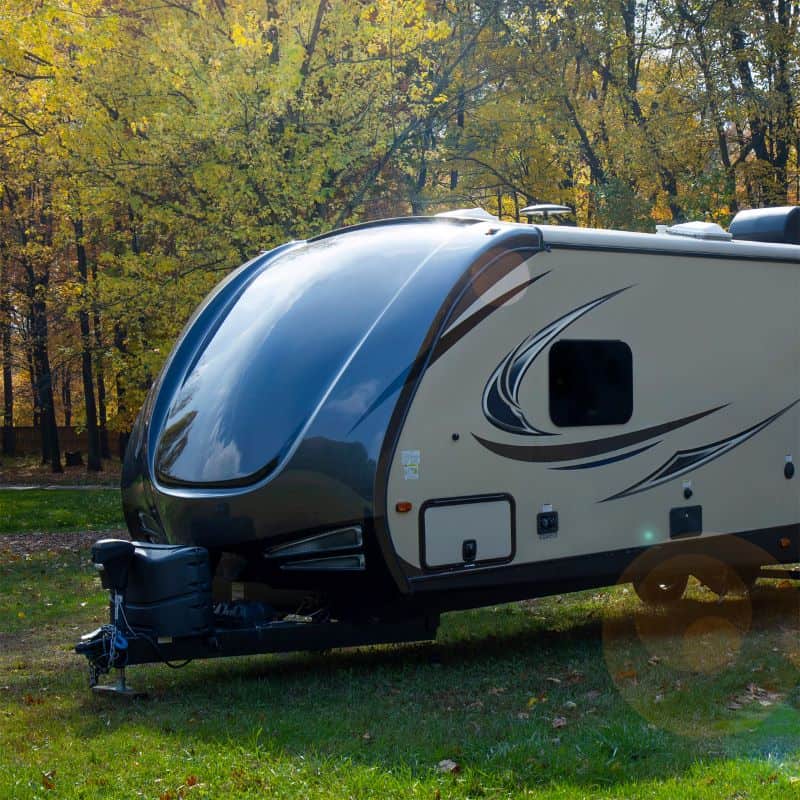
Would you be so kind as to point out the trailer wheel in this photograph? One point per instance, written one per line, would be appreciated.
(748, 577)
(657, 590)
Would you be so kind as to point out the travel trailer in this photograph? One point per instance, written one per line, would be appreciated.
(357, 432)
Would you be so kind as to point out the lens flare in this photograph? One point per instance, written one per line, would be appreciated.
(671, 660)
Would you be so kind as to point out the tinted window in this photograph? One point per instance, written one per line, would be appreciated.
(591, 382)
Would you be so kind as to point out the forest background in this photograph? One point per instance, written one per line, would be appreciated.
(147, 147)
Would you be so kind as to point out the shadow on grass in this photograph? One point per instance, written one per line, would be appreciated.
(513, 693)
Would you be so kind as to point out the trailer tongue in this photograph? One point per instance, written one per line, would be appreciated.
(161, 610)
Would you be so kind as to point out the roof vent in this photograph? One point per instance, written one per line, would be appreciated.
(468, 213)
(709, 231)
(780, 224)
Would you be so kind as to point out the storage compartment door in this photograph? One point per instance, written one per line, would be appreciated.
(459, 531)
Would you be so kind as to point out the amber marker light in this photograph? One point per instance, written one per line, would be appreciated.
(785, 542)
(403, 507)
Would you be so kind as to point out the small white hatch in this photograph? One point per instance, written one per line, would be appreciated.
(462, 531)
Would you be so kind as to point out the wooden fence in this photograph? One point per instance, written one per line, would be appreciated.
(28, 441)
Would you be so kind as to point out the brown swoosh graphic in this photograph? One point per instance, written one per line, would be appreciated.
(463, 328)
(596, 447)
(493, 266)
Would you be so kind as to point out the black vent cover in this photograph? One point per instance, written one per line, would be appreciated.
(781, 225)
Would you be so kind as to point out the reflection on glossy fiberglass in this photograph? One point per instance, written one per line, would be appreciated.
(272, 360)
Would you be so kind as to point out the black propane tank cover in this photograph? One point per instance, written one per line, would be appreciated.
(114, 556)
(169, 590)
(780, 225)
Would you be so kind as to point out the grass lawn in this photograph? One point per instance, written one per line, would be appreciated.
(59, 510)
(582, 696)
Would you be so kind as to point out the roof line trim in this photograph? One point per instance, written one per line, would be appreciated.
(671, 253)
(378, 223)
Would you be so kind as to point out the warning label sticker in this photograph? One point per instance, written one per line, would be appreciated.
(410, 461)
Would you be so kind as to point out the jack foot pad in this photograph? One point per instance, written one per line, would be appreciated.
(119, 688)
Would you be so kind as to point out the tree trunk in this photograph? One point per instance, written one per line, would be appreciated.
(8, 444)
(93, 462)
(35, 400)
(119, 343)
(44, 385)
(66, 397)
(785, 102)
(122, 443)
(102, 411)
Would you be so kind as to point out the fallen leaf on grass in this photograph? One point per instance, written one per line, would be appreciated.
(754, 694)
(191, 781)
(447, 765)
(542, 698)
(626, 675)
(366, 736)
(30, 700)
(560, 722)
(554, 680)
(570, 704)
(47, 779)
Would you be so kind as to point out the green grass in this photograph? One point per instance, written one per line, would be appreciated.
(646, 706)
(59, 510)
(46, 590)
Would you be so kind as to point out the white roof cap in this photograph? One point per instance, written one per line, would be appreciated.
(700, 230)
(469, 213)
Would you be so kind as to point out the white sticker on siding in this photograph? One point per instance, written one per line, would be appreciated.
(410, 461)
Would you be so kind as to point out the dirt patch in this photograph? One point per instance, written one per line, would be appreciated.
(19, 545)
(47, 650)
(29, 471)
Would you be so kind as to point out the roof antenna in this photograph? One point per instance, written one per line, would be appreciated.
(545, 211)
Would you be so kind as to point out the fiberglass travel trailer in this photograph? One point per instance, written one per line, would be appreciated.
(357, 432)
